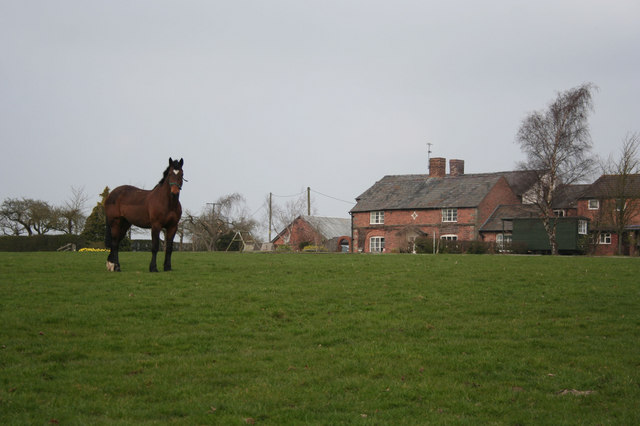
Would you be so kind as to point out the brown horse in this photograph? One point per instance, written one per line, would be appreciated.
(156, 209)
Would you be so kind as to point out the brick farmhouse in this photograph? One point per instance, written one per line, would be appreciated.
(612, 200)
(397, 209)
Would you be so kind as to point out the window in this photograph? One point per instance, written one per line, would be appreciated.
(605, 238)
(559, 213)
(503, 241)
(376, 244)
(594, 204)
(619, 203)
(377, 218)
(449, 237)
(582, 227)
(449, 215)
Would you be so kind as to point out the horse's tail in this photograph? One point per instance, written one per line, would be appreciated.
(107, 234)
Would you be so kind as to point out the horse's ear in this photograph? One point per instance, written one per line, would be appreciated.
(170, 161)
(181, 162)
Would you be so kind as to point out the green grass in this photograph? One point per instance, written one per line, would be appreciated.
(319, 339)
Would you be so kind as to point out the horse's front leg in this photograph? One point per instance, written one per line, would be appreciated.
(155, 245)
(113, 261)
(171, 232)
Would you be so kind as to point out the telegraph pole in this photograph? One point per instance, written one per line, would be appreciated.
(308, 201)
(270, 213)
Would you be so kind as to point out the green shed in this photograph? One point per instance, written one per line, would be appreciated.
(530, 233)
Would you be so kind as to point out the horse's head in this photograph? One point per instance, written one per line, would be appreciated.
(174, 176)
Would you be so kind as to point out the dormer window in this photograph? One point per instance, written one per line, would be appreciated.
(376, 218)
(594, 204)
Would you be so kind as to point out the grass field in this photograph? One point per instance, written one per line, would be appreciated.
(319, 339)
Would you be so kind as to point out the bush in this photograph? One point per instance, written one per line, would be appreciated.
(425, 245)
(478, 247)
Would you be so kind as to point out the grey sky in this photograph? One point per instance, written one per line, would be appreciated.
(274, 96)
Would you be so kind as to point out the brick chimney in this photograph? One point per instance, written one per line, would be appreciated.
(456, 167)
(437, 167)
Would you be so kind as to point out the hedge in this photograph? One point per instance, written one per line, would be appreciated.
(40, 242)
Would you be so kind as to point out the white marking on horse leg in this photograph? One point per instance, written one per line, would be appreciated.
(111, 266)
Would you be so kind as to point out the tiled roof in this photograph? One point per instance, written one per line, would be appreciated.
(520, 180)
(607, 186)
(566, 196)
(400, 192)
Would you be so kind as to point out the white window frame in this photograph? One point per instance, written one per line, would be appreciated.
(449, 237)
(503, 240)
(593, 204)
(450, 215)
(559, 212)
(583, 227)
(376, 218)
(376, 244)
(605, 238)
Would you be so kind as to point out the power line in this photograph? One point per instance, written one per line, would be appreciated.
(288, 196)
(333, 198)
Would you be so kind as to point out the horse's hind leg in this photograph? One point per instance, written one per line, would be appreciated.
(155, 246)
(118, 230)
(112, 261)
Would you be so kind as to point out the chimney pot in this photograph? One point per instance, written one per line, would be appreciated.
(437, 167)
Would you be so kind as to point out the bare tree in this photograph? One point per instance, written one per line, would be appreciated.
(29, 215)
(557, 144)
(9, 227)
(619, 188)
(73, 212)
(15, 216)
(228, 214)
(44, 217)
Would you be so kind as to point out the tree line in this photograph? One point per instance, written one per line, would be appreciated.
(213, 229)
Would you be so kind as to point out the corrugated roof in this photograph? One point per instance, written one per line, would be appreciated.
(329, 227)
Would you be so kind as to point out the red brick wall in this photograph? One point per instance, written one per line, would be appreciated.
(607, 249)
(399, 223)
(501, 193)
(301, 232)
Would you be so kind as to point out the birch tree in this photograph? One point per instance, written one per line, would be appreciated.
(557, 145)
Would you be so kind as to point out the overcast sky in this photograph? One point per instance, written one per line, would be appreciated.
(279, 95)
